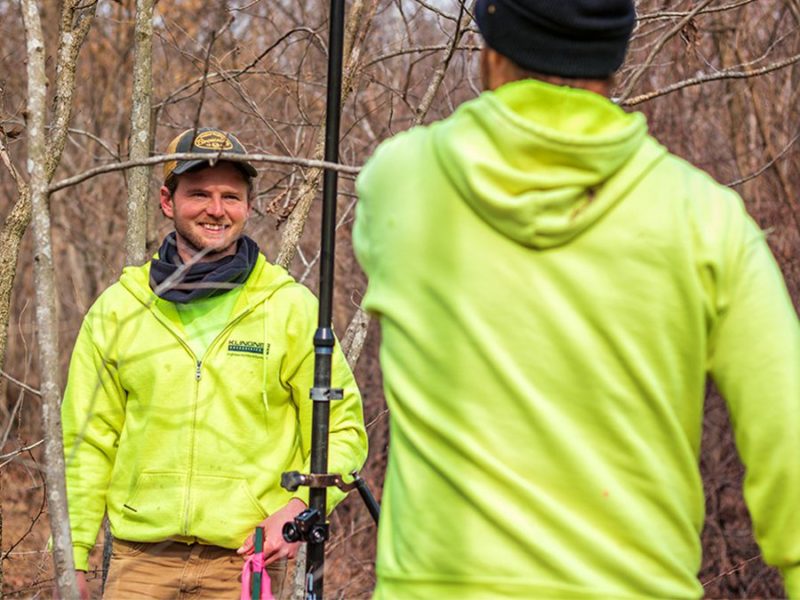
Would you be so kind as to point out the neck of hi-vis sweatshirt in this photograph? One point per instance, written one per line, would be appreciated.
(553, 290)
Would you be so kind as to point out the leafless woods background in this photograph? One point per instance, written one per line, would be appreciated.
(717, 79)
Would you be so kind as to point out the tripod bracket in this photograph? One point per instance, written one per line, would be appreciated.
(294, 479)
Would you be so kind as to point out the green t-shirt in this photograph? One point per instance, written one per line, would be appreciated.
(204, 319)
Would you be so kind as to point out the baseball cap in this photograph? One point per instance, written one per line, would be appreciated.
(207, 140)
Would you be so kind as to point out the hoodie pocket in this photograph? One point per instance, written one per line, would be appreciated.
(223, 510)
(154, 509)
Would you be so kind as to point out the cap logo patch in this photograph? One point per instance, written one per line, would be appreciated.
(213, 140)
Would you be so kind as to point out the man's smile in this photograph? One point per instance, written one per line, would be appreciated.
(214, 227)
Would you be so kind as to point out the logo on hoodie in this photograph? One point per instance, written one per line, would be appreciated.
(245, 347)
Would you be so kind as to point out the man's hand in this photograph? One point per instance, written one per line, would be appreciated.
(275, 547)
(83, 587)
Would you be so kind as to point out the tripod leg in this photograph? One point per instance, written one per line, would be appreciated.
(366, 495)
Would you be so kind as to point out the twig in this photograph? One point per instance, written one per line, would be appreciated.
(377, 418)
(657, 16)
(310, 264)
(24, 386)
(421, 49)
(99, 141)
(206, 65)
(41, 507)
(738, 567)
(769, 164)
(7, 161)
(11, 418)
(15, 453)
(437, 11)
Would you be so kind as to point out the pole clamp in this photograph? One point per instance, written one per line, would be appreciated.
(325, 394)
(294, 479)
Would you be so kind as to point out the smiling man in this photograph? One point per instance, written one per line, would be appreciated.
(187, 397)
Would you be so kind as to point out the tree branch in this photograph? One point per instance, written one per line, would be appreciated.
(155, 160)
(640, 70)
(71, 40)
(427, 99)
(422, 49)
(21, 384)
(710, 77)
(665, 14)
(765, 167)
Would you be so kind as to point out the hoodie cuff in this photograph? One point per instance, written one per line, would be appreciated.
(791, 581)
(303, 494)
(335, 496)
(81, 556)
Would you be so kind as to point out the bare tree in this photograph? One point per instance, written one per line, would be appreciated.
(43, 157)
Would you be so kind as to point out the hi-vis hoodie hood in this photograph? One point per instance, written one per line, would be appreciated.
(542, 163)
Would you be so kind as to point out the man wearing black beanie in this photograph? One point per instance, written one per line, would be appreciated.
(554, 289)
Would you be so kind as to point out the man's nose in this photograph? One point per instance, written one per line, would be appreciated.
(215, 207)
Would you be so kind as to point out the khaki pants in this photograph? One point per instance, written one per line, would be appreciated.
(173, 570)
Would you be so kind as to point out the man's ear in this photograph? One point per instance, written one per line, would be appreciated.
(166, 202)
(483, 63)
(494, 69)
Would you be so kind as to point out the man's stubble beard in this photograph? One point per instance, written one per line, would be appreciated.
(209, 253)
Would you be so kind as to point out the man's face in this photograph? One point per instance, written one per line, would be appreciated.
(209, 208)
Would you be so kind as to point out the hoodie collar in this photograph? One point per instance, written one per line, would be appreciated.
(264, 280)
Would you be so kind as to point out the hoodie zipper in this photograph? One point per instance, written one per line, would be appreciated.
(197, 377)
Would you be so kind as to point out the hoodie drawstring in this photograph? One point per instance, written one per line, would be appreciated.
(264, 352)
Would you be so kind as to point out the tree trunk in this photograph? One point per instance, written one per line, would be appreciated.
(46, 318)
(139, 141)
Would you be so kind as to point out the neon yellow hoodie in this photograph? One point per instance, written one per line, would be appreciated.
(192, 448)
(553, 288)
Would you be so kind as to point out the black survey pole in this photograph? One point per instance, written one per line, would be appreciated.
(311, 525)
(323, 338)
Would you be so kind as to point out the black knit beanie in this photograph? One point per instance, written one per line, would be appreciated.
(568, 38)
